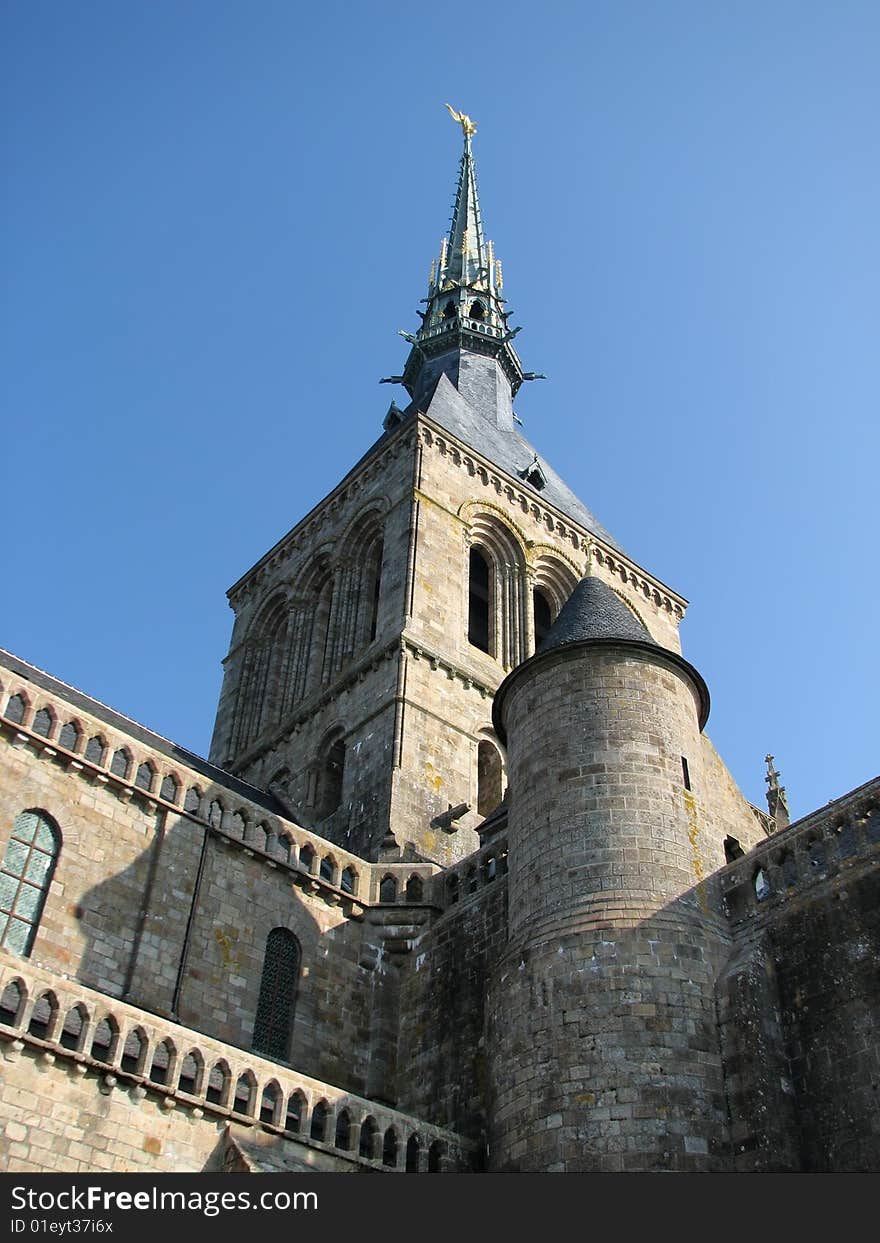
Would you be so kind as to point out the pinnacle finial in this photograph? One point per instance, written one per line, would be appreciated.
(777, 800)
(468, 126)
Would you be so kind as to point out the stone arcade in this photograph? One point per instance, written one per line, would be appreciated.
(464, 884)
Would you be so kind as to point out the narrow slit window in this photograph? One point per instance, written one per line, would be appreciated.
(685, 773)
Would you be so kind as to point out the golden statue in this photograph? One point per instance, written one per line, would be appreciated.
(468, 126)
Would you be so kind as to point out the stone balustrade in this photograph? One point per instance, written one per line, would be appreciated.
(128, 1049)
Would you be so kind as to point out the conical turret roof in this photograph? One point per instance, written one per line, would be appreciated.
(593, 611)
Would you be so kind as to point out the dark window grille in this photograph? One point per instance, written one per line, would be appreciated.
(273, 1025)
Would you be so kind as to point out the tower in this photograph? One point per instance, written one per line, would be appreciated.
(369, 641)
(613, 947)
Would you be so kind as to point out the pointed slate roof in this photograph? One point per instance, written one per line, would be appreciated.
(593, 611)
(511, 452)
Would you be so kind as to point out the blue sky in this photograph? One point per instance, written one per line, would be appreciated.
(218, 215)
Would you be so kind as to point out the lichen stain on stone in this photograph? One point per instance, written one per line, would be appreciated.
(224, 940)
(690, 808)
(435, 781)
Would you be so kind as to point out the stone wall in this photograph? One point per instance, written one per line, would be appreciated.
(798, 1002)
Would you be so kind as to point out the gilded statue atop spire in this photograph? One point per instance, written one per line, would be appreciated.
(468, 126)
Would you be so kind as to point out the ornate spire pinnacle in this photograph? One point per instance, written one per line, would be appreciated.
(465, 320)
(777, 800)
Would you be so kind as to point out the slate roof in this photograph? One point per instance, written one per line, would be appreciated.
(509, 450)
(593, 611)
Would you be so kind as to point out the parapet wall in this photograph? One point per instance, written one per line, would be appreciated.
(90, 1083)
(798, 1004)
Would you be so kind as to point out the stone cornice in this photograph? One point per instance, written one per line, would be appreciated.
(433, 435)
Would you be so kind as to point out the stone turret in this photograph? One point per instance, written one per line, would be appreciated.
(604, 1052)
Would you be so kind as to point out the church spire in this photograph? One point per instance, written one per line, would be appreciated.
(465, 318)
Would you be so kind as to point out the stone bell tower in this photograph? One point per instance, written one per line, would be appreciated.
(368, 643)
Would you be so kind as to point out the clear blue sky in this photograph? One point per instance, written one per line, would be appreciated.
(218, 214)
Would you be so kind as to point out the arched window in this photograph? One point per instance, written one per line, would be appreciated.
(163, 1062)
(120, 765)
(44, 1016)
(732, 850)
(12, 1003)
(146, 775)
(191, 1070)
(273, 1026)
(372, 581)
(319, 1121)
(369, 1131)
(15, 709)
(343, 1131)
(348, 880)
(330, 775)
(414, 889)
(219, 1082)
(134, 1052)
(74, 1027)
(170, 788)
(388, 889)
(477, 310)
(413, 1148)
(43, 722)
(25, 876)
(490, 776)
(70, 736)
(270, 1104)
(435, 1157)
(543, 615)
(261, 690)
(96, 750)
(389, 1147)
(296, 1108)
(478, 601)
(105, 1039)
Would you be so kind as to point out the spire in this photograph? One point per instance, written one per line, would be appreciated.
(464, 331)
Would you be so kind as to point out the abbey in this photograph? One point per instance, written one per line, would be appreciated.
(464, 884)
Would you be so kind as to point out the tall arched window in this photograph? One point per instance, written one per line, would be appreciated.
(25, 876)
(273, 1025)
(372, 585)
(490, 777)
(261, 688)
(330, 776)
(478, 601)
(543, 615)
